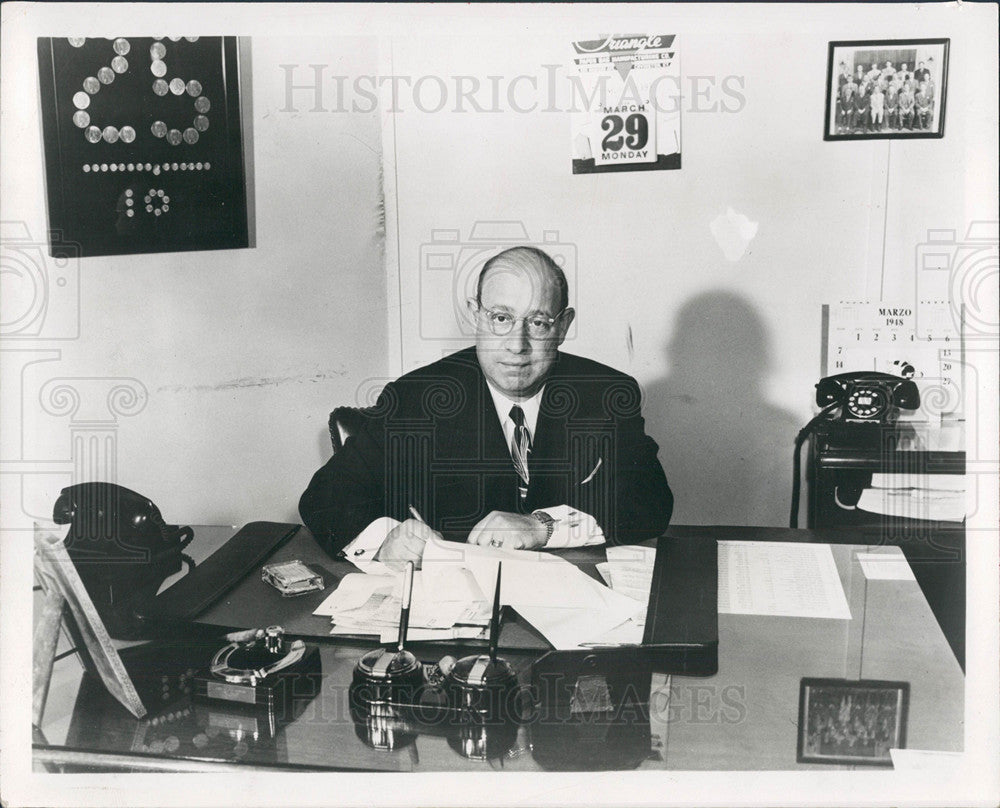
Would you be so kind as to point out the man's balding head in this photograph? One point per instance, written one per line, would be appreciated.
(530, 260)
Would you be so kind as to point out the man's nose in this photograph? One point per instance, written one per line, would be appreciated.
(517, 340)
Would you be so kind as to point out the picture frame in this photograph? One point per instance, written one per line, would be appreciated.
(71, 602)
(882, 73)
(851, 722)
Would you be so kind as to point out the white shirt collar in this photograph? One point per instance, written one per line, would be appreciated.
(530, 407)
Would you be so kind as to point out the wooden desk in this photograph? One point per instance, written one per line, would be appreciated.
(744, 717)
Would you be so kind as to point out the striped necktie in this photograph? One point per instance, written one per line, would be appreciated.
(520, 446)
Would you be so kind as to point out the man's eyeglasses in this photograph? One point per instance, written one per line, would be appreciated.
(502, 323)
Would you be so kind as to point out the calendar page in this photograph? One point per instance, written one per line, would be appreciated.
(921, 342)
(627, 116)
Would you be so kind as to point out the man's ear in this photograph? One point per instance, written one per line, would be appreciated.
(565, 321)
(471, 309)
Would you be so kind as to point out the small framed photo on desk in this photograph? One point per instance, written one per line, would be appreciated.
(851, 722)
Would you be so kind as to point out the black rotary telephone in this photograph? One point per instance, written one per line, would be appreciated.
(859, 410)
(867, 398)
(121, 547)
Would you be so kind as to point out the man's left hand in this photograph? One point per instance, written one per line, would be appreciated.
(513, 531)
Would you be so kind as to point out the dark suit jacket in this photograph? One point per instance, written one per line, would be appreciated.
(435, 442)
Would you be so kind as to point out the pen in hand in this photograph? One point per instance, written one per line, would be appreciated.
(416, 515)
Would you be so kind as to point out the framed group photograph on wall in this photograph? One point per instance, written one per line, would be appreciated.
(888, 88)
(851, 722)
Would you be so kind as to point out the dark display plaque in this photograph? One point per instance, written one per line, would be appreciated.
(144, 148)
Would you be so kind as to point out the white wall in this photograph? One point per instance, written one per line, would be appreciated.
(728, 353)
(243, 352)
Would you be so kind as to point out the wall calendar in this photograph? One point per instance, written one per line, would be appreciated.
(144, 147)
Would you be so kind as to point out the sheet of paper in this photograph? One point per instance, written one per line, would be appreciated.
(924, 760)
(632, 581)
(885, 566)
(914, 503)
(438, 551)
(604, 570)
(631, 570)
(936, 482)
(628, 633)
(631, 554)
(351, 631)
(384, 612)
(353, 591)
(555, 585)
(441, 597)
(446, 582)
(438, 635)
(570, 628)
(779, 578)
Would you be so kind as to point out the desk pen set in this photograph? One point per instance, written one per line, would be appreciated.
(393, 684)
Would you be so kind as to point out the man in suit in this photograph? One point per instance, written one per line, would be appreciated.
(892, 104)
(862, 108)
(847, 108)
(844, 76)
(923, 107)
(877, 103)
(509, 443)
(906, 77)
(906, 102)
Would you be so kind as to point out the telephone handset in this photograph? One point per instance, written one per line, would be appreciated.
(122, 548)
(867, 397)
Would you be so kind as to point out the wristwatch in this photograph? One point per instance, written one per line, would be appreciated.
(548, 521)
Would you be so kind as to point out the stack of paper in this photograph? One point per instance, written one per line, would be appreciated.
(565, 604)
(780, 579)
(447, 604)
(630, 570)
(937, 497)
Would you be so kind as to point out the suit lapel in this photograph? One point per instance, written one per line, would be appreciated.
(549, 431)
(494, 445)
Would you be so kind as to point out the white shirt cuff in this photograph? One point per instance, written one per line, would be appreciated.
(362, 551)
(572, 528)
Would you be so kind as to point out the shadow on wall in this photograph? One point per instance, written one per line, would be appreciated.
(727, 452)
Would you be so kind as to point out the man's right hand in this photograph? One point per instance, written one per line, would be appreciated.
(405, 542)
